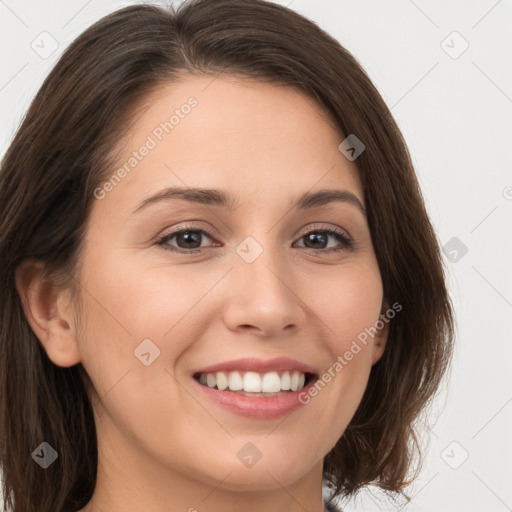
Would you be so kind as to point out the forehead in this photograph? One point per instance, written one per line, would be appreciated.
(253, 138)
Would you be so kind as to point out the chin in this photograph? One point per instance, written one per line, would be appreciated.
(265, 474)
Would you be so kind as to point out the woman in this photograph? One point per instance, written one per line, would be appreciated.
(297, 339)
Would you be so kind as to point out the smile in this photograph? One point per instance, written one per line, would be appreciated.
(253, 383)
(255, 388)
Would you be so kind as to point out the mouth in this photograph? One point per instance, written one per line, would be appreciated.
(256, 384)
(256, 388)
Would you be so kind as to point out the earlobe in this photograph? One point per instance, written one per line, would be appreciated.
(48, 314)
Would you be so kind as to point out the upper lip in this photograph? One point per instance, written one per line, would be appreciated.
(249, 364)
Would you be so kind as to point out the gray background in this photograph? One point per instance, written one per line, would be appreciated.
(455, 110)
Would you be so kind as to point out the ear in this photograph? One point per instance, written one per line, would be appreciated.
(49, 313)
(381, 338)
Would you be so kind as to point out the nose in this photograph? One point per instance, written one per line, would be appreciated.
(262, 297)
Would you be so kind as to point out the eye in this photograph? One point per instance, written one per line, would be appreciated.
(188, 238)
(317, 239)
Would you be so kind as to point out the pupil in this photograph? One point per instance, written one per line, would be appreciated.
(191, 237)
(313, 237)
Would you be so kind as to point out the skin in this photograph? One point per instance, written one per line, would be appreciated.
(162, 444)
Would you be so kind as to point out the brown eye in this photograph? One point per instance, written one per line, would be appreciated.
(319, 239)
(187, 240)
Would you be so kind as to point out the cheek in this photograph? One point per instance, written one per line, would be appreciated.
(138, 301)
(350, 305)
(125, 304)
(349, 300)
(123, 309)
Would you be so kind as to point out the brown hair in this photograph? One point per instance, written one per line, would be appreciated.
(62, 151)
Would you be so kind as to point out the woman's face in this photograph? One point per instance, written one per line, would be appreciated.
(255, 279)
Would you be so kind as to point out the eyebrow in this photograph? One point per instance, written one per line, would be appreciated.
(221, 198)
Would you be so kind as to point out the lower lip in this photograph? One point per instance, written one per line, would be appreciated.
(256, 407)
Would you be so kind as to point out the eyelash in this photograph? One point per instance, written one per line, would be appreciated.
(342, 238)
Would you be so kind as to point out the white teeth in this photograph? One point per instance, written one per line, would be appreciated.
(286, 381)
(222, 381)
(253, 382)
(211, 380)
(271, 383)
(294, 386)
(235, 381)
